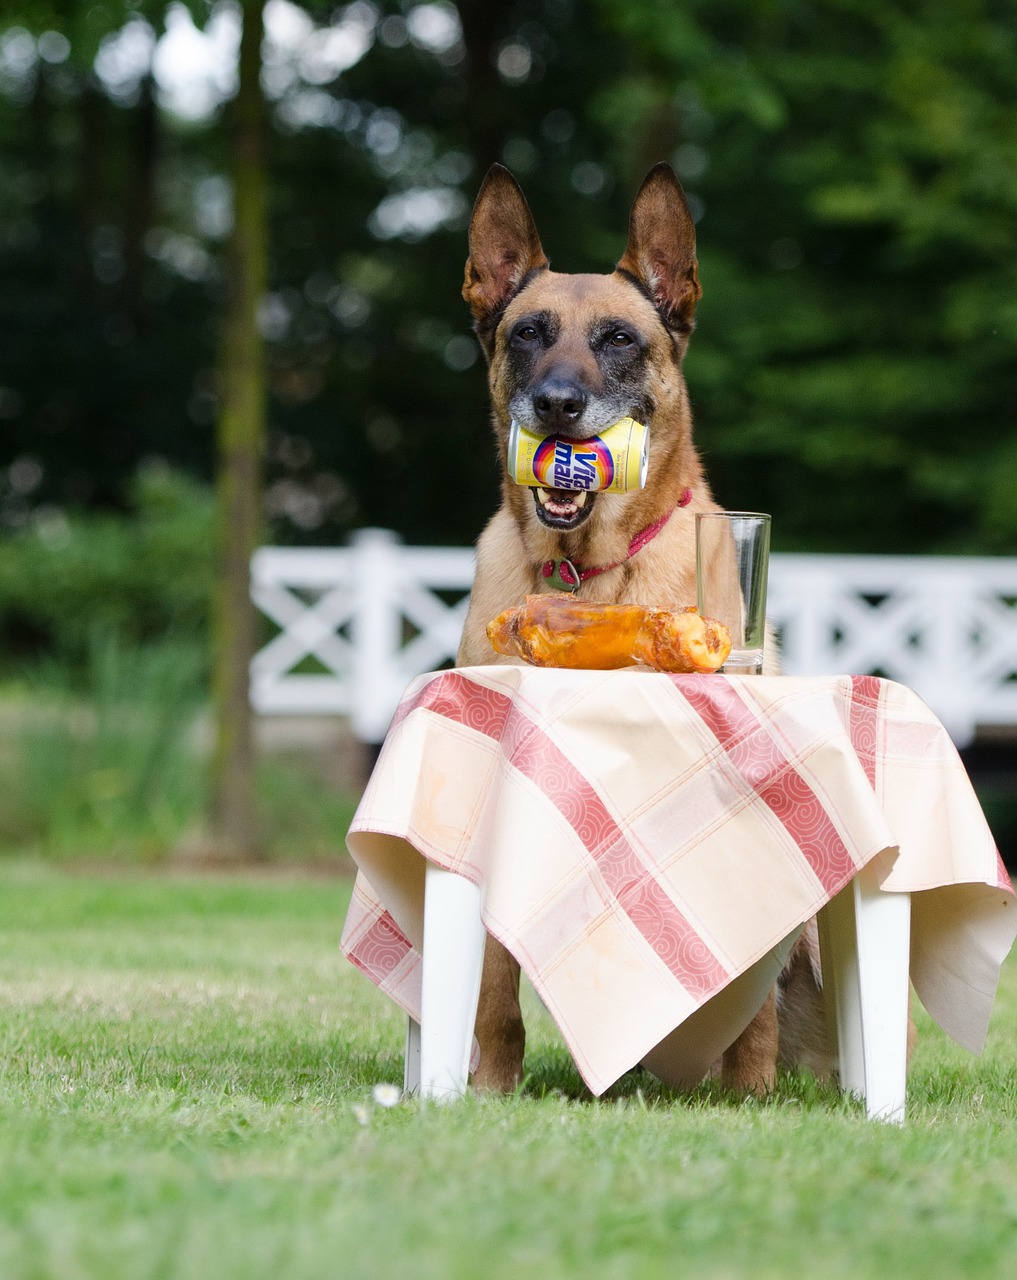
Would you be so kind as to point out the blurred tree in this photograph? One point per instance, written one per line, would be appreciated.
(101, 576)
(852, 165)
(104, 319)
(849, 163)
(240, 446)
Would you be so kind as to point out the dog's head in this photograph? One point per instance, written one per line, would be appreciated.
(572, 354)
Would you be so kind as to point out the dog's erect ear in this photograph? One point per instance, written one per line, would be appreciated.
(661, 252)
(504, 248)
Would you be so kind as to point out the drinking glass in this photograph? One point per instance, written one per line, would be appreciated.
(732, 563)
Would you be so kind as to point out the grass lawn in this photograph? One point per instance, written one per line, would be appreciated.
(186, 1091)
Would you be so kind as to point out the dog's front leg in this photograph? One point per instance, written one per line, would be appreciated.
(750, 1064)
(499, 1028)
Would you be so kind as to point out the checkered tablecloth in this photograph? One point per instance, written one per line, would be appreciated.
(641, 839)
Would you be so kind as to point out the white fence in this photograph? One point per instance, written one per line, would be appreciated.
(356, 624)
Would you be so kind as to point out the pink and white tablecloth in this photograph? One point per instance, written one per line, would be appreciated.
(642, 839)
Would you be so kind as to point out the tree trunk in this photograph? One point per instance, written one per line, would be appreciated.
(240, 443)
(91, 151)
(482, 23)
(143, 163)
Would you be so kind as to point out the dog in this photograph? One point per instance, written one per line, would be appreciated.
(570, 355)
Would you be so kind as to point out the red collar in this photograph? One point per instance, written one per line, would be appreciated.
(566, 576)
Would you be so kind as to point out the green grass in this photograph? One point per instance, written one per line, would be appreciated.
(186, 1074)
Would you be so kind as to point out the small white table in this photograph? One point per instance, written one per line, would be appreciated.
(649, 846)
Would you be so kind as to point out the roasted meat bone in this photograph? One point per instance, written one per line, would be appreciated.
(561, 631)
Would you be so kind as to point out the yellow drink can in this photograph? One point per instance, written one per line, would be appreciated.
(614, 461)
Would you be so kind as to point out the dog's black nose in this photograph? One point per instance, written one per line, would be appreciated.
(558, 403)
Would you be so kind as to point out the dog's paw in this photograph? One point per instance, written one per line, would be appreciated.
(497, 1076)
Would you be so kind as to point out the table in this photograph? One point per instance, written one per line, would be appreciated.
(641, 841)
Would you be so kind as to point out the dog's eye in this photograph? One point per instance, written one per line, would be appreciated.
(620, 339)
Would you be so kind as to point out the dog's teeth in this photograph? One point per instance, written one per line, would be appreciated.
(565, 508)
(577, 499)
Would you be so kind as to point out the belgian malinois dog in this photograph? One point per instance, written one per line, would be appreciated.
(570, 355)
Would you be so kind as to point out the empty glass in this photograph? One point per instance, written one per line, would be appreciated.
(732, 563)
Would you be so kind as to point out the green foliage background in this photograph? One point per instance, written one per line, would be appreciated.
(850, 163)
(139, 576)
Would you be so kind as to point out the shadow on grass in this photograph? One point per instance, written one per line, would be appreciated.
(552, 1074)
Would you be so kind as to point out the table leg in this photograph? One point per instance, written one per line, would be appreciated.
(865, 940)
(411, 1059)
(453, 958)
